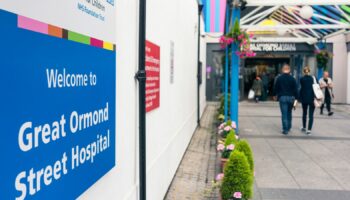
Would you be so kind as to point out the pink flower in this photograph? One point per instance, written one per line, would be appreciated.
(237, 195)
(222, 45)
(237, 137)
(233, 124)
(222, 126)
(229, 41)
(222, 39)
(230, 147)
(240, 37)
(227, 128)
(220, 147)
(219, 177)
(223, 42)
(251, 35)
(220, 132)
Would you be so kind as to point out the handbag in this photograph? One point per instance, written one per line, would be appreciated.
(317, 103)
(251, 94)
(317, 90)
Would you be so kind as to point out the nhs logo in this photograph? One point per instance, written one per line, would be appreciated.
(111, 2)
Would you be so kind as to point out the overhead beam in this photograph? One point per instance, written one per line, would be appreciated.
(328, 19)
(343, 13)
(260, 15)
(300, 20)
(261, 18)
(253, 12)
(300, 36)
(285, 40)
(303, 33)
(299, 26)
(295, 2)
(335, 34)
(324, 17)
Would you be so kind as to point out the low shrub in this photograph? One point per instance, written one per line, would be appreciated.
(225, 128)
(238, 177)
(221, 117)
(221, 109)
(231, 138)
(227, 150)
(244, 147)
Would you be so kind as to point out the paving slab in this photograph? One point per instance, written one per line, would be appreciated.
(199, 165)
(298, 166)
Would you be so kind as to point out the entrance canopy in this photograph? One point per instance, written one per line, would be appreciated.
(286, 20)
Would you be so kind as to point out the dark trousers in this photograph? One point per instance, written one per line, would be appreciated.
(328, 102)
(286, 106)
(311, 108)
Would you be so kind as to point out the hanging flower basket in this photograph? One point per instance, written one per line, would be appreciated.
(322, 57)
(239, 38)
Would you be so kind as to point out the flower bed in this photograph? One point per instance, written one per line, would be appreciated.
(237, 164)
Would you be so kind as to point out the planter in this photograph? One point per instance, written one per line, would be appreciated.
(223, 162)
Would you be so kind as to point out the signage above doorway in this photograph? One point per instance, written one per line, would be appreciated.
(273, 47)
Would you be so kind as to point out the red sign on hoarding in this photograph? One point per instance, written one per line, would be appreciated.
(153, 76)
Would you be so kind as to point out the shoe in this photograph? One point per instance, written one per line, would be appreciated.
(303, 129)
(285, 132)
(308, 132)
(330, 113)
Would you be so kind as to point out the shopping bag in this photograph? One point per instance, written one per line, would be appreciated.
(317, 90)
(295, 104)
(317, 103)
(251, 94)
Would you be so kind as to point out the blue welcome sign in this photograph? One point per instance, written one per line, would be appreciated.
(57, 111)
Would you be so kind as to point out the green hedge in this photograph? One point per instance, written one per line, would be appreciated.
(221, 109)
(231, 138)
(238, 177)
(244, 147)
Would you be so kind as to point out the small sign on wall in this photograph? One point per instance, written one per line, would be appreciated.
(172, 61)
(153, 76)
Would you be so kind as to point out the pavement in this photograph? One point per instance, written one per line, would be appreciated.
(199, 166)
(293, 167)
(298, 167)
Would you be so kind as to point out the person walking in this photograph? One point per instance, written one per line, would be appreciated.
(265, 83)
(257, 88)
(286, 92)
(326, 84)
(306, 97)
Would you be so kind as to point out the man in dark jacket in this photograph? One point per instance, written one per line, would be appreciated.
(286, 92)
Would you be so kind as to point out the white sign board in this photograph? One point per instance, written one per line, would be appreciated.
(273, 47)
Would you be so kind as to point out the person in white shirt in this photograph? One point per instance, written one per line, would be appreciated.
(326, 84)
